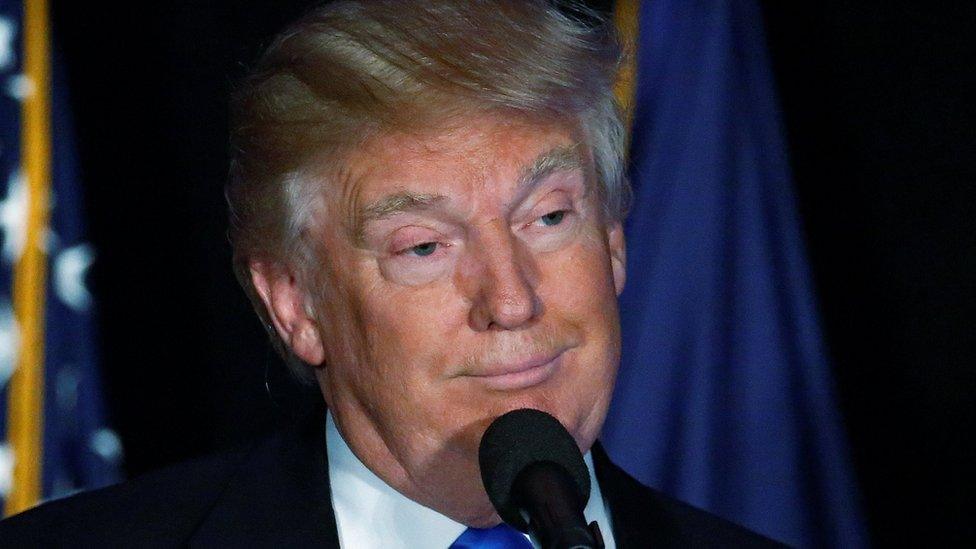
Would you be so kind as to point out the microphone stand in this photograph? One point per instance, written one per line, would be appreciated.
(549, 496)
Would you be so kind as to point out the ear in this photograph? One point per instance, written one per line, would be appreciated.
(618, 255)
(284, 299)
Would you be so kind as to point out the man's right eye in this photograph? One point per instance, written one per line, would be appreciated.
(422, 250)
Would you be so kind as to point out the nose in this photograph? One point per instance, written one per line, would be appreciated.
(502, 284)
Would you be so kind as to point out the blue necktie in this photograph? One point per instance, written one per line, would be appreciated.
(502, 536)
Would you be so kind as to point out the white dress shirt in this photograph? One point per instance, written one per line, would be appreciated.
(371, 514)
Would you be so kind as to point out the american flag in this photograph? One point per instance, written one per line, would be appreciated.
(725, 398)
(53, 437)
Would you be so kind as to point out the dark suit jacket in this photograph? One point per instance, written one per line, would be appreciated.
(276, 494)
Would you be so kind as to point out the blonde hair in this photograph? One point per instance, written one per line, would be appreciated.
(353, 69)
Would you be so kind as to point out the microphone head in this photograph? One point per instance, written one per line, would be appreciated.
(516, 440)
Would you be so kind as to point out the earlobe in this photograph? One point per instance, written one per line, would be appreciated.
(284, 300)
(618, 255)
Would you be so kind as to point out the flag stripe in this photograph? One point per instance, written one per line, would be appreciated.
(26, 398)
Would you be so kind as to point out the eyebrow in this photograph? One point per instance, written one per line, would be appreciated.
(404, 201)
(557, 159)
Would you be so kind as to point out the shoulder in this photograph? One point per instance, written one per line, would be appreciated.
(161, 508)
(644, 517)
(272, 493)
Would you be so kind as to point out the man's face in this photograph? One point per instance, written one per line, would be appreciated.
(465, 274)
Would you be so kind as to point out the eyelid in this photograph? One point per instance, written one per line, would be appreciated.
(419, 235)
(565, 177)
(380, 231)
(414, 232)
(558, 193)
(567, 212)
(564, 202)
(406, 249)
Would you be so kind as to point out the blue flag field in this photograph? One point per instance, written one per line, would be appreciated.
(53, 440)
(725, 398)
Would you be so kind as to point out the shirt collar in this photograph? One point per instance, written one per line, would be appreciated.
(370, 513)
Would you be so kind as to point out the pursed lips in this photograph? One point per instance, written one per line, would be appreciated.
(520, 374)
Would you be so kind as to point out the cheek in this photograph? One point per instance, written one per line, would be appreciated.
(413, 346)
(580, 279)
(594, 314)
(412, 330)
(349, 320)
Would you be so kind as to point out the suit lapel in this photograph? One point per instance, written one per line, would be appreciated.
(634, 511)
(280, 496)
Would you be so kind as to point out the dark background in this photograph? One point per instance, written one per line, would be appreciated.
(878, 101)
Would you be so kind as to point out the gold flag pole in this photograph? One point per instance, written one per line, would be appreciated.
(25, 418)
(625, 16)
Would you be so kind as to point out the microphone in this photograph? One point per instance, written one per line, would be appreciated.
(530, 464)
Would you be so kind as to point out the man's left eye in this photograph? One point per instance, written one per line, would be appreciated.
(553, 218)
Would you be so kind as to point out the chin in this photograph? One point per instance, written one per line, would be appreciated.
(583, 424)
(486, 519)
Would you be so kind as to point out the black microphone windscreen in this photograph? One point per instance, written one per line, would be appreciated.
(518, 439)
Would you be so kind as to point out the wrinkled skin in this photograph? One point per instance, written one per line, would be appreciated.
(480, 292)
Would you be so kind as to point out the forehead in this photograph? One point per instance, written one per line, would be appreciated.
(477, 155)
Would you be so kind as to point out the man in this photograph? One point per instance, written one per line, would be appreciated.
(426, 201)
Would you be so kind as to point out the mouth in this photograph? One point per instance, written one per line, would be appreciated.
(520, 375)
